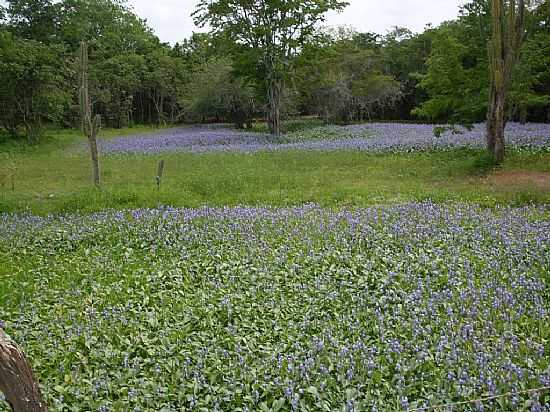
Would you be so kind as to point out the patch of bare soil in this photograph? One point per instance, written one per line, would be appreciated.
(519, 178)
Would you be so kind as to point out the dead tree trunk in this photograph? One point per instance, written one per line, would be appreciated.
(17, 381)
(90, 126)
(507, 17)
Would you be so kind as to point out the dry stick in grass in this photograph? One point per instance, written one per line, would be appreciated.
(17, 381)
(481, 400)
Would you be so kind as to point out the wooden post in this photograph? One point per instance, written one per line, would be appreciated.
(17, 381)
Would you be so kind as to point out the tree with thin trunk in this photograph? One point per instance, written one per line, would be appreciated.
(268, 33)
(17, 381)
(507, 18)
(90, 125)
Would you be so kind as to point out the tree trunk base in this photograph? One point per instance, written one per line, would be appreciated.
(17, 381)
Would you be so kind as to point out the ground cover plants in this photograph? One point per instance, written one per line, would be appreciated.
(369, 137)
(343, 306)
(267, 226)
(245, 309)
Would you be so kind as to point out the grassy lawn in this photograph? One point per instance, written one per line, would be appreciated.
(54, 177)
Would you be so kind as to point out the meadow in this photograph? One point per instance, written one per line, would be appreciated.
(242, 309)
(332, 167)
(361, 268)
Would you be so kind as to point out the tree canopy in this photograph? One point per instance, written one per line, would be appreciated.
(269, 58)
(267, 35)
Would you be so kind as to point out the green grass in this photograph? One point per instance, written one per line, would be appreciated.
(61, 139)
(53, 178)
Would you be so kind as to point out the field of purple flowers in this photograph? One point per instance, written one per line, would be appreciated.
(372, 137)
(264, 309)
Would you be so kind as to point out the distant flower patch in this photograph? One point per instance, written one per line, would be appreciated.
(372, 137)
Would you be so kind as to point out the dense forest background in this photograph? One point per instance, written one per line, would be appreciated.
(340, 75)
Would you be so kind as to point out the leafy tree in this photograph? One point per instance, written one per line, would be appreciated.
(32, 87)
(34, 19)
(342, 78)
(115, 82)
(198, 49)
(109, 26)
(215, 93)
(270, 33)
(403, 56)
(530, 93)
(457, 92)
(164, 82)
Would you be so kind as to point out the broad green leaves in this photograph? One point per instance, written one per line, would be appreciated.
(280, 309)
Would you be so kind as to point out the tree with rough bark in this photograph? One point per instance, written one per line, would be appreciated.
(90, 125)
(270, 33)
(508, 19)
(17, 381)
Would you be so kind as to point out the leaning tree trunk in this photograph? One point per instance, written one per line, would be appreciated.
(274, 93)
(17, 381)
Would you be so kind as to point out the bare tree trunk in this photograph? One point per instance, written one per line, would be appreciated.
(274, 100)
(507, 20)
(495, 125)
(523, 114)
(17, 381)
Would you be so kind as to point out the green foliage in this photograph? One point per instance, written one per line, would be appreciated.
(457, 93)
(457, 75)
(32, 88)
(114, 82)
(279, 57)
(531, 89)
(133, 77)
(34, 19)
(215, 93)
(342, 78)
(266, 35)
(110, 26)
(163, 80)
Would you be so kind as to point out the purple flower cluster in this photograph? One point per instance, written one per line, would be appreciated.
(385, 308)
(371, 137)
